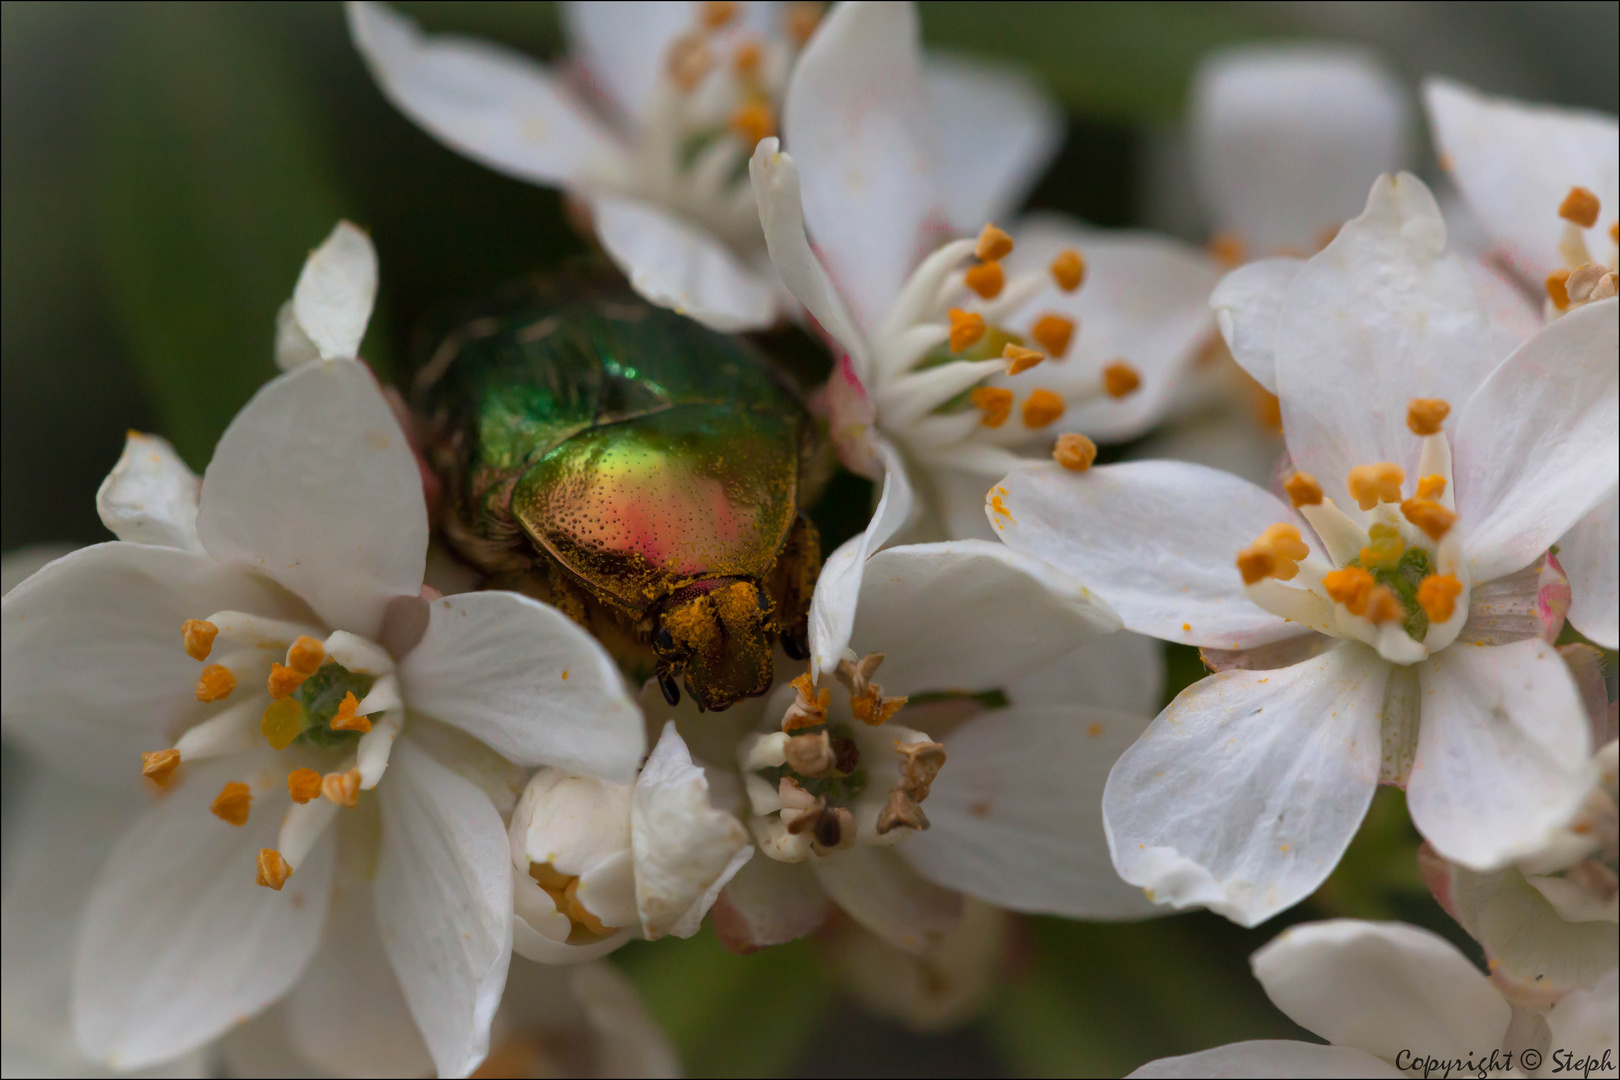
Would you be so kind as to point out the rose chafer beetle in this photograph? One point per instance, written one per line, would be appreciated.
(640, 471)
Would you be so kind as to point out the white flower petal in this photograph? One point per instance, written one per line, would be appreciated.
(628, 1041)
(494, 105)
(1244, 792)
(769, 902)
(572, 822)
(1227, 438)
(1123, 672)
(444, 904)
(676, 265)
(150, 497)
(859, 122)
(623, 47)
(1248, 304)
(1268, 1058)
(1516, 162)
(260, 1049)
(314, 486)
(685, 849)
(1016, 816)
(95, 671)
(1286, 140)
(998, 129)
(879, 890)
(177, 943)
(1525, 938)
(1587, 1020)
(1588, 555)
(1538, 445)
(1382, 988)
(1382, 315)
(20, 564)
(524, 678)
(1157, 540)
(530, 944)
(331, 304)
(1503, 752)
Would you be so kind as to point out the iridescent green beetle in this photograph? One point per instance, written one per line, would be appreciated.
(640, 471)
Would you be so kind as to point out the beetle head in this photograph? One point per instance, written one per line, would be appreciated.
(720, 639)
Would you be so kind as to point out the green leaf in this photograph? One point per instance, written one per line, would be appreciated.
(211, 191)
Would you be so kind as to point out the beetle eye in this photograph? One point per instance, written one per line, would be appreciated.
(663, 641)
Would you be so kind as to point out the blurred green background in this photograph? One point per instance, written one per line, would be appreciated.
(166, 168)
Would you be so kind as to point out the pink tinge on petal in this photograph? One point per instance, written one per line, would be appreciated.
(1552, 599)
(432, 487)
(852, 419)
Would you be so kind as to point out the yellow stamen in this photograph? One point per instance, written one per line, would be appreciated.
(1119, 379)
(548, 876)
(995, 402)
(1386, 546)
(232, 803)
(716, 13)
(342, 788)
(1431, 517)
(993, 244)
(1068, 269)
(1303, 490)
(1350, 587)
(967, 327)
(802, 19)
(577, 912)
(752, 123)
(303, 785)
(1020, 359)
(284, 680)
(689, 61)
(1384, 606)
(873, 709)
(216, 682)
(1431, 487)
(1053, 332)
(1228, 249)
(1042, 407)
(273, 869)
(198, 635)
(1425, 415)
(1557, 288)
(1370, 485)
(306, 655)
(1437, 596)
(1074, 452)
(281, 723)
(746, 60)
(986, 279)
(1275, 553)
(158, 765)
(1580, 206)
(809, 707)
(346, 720)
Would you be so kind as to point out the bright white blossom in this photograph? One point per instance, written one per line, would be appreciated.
(1398, 639)
(1393, 1000)
(335, 741)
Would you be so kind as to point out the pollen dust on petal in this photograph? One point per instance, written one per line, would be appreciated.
(997, 504)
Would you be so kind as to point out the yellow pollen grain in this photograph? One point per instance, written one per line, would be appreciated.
(1384, 606)
(716, 13)
(273, 870)
(1385, 547)
(1557, 288)
(1580, 206)
(306, 655)
(689, 60)
(967, 328)
(986, 279)
(216, 682)
(1053, 332)
(342, 788)
(1431, 517)
(1020, 359)
(1068, 269)
(198, 635)
(1228, 249)
(346, 720)
(1074, 452)
(802, 19)
(303, 785)
(284, 680)
(1042, 407)
(281, 723)
(752, 123)
(993, 244)
(232, 803)
(1120, 378)
(1437, 596)
(158, 765)
(1303, 490)
(1370, 485)
(1349, 587)
(1425, 415)
(1431, 487)
(746, 60)
(995, 402)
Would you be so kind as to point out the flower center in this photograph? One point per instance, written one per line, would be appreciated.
(564, 892)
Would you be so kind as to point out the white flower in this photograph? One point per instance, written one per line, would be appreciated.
(1542, 182)
(1388, 997)
(1399, 641)
(259, 641)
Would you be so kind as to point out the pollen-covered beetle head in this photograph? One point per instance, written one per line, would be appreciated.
(720, 639)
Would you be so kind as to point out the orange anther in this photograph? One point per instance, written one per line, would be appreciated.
(1228, 249)
(1614, 232)
(993, 244)
(1384, 606)
(1119, 379)
(967, 328)
(748, 57)
(284, 680)
(1437, 596)
(158, 765)
(232, 803)
(716, 13)
(1042, 407)
(986, 279)
(1431, 517)
(215, 682)
(752, 123)
(303, 785)
(1074, 452)
(1349, 587)
(1370, 485)
(1557, 288)
(273, 870)
(995, 402)
(802, 19)
(198, 635)
(1255, 565)
(1275, 553)
(1020, 359)
(1425, 415)
(1303, 490)
(306, 655)
(342, 788)
(346, 720)
(1431, 487)
(1580, 206)
(689, 61)
(1053, 332)
(1068, 269)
